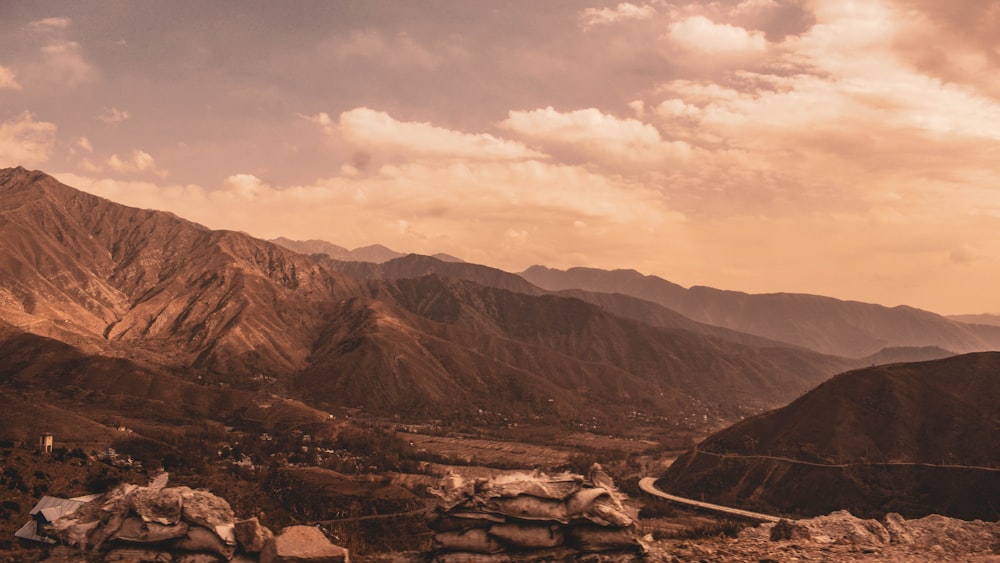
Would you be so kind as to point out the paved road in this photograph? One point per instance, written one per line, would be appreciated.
(648, 485)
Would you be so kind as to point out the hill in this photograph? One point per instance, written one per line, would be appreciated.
(984, 319)
(625, 306)
(824, 324)
(222, 308)
(375, 253)
(913, 438)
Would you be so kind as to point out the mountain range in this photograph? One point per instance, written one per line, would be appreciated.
(224, 308)
(375, 253)
(108, 310)
(824, 324)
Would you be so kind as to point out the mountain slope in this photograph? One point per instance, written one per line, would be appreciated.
(434, 343)
(827, 325)
(224, 308)
(914, 438)
(148, 285)
(625, 306)
(375, 253)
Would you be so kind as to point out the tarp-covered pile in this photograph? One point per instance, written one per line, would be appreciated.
(483, 520)
(160, 522)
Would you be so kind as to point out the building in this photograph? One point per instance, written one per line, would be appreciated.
(45, 442)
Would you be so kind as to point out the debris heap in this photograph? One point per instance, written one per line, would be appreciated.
(531, 513)
(160, 523)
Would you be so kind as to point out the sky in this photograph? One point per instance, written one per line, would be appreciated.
(836, 147)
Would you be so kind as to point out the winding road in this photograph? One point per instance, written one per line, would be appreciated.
(648, 485)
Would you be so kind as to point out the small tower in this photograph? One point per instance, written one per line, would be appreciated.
(45, 442)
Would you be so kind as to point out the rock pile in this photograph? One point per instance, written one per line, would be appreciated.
(160, 523)
(840, 536)
(531, 513)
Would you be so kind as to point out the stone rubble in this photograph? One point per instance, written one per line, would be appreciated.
(840, 536)
(528, 516)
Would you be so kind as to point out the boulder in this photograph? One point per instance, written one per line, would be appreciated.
(953, 535)
(846, 529)
(788, 530)
(252, 535)
(302, 544)
(895, 524)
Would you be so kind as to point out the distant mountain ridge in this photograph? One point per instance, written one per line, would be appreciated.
(223, 308)
(375, 253)
(982, 319)
(824, 324)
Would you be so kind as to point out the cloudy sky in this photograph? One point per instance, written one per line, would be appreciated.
(840, 147)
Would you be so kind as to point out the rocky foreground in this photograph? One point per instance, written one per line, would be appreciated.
(842, 537)
(519, 519)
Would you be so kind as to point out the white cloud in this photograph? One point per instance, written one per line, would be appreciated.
(753, 5)
(378, 131)
(246, 186)
(596, 135)
(51, 24)
(475, 209)
(84, 144)
(702, 34)
(398, 50)
(322, 119)
(137, 161)
(622, 12)
(113, 115)
(64, 62)
(25, 141)
(8, 80)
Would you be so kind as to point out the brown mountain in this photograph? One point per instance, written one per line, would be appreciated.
(48, 385)
(153, 287)
(830, 326)
(625, 306)
(915, 438)
(983, 319)
(502, 347)
(223, 307)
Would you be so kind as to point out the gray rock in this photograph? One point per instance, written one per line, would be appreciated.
(252, 535)
(787, 530)
(895, 524)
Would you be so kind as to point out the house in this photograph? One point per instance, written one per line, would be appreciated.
(45, 442)
(47, 510)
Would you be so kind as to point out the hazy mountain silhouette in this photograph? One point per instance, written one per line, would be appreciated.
(983, 319)
(824, 324)
(375, 253)
(915, 438)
